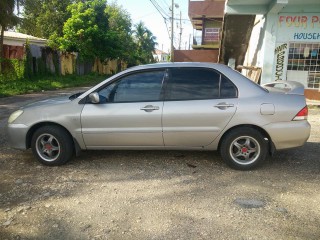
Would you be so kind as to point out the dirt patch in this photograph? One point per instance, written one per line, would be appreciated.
(160, 194)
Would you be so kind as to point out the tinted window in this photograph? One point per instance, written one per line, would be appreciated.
(137, 87)
(227, 88)
(192, 84)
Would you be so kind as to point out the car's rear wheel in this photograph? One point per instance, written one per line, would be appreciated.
(243, 148)
(52, 145)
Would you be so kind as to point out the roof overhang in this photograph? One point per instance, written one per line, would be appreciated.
(20, 39)
(198, 10)
(235, 37)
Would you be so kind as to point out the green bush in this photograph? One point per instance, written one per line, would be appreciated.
(43, 83)
(12, 69)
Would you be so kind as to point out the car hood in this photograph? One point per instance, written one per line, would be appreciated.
(48, 102)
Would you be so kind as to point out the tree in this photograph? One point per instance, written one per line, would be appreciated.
(7, 19)
(45, 19)
(96, 29)
(87, 30)
(145, 43)
(91, 27)
(120, 32)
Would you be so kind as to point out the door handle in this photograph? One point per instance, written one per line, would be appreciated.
(224, 105)
(149, 108)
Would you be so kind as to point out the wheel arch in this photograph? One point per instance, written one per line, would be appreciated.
(41, 124)
(257, 128)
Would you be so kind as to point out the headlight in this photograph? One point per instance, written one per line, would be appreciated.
(14, 116)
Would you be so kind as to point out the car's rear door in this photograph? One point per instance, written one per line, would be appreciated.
(199, 102)
(129, 113)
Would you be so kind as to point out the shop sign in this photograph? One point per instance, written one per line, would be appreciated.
(306, 36)
(297, 21)
(281, 56)
(295, 27)
(211, 34)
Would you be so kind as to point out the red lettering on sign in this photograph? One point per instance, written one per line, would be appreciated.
(315, 19)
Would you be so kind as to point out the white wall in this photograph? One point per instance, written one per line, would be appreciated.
(254, 55)
(269, 42)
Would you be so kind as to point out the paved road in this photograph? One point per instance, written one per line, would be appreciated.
(158, 194)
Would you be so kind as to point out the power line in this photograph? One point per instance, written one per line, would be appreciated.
(165, 21)
(163, 8)
(159, 9)
(164, 15)
(165, 3)
(146, 15)
(160, 6)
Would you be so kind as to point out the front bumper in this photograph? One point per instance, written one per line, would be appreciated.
(17, 135)
(289, 134)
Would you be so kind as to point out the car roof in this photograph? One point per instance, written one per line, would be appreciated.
(181, 64)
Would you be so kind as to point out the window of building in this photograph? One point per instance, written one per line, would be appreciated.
(306, 57)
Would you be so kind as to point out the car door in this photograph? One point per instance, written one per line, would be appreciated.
(128, 113)
(199, 102)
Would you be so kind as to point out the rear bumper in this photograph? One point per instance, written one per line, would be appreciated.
(17, 136)
(288, 134)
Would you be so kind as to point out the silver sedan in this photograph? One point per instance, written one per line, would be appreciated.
(181, 106)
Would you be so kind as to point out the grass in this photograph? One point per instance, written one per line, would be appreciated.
(22, 86)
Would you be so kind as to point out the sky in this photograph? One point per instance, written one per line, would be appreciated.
(144, 10)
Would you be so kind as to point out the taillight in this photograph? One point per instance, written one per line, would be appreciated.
(302, 115)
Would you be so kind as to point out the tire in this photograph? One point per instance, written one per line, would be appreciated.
(52, 145)
(243, 148)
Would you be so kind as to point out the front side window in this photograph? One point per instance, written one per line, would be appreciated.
(136, 87)
(198, 84)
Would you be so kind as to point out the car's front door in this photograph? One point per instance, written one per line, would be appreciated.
(128, 114)
(199, 102)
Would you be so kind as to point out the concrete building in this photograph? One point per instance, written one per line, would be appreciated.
(270, 39)
(207, 18)
(284, 41)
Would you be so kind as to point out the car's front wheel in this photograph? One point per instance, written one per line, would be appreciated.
(243, 148)
(52, 145)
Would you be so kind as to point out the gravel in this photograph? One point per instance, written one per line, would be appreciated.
(158, 194)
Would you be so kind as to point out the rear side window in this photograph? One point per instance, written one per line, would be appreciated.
(227, 88)
(198, 84)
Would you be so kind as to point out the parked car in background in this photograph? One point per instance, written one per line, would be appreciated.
(181, 106)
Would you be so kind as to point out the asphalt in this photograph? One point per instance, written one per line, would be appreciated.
(12, 103)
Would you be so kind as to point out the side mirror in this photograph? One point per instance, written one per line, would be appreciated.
(94, 97)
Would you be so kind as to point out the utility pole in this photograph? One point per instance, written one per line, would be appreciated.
(172, 19)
